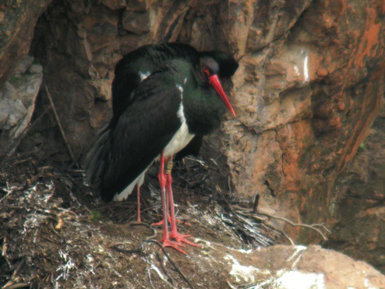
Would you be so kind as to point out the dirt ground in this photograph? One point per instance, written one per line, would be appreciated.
(56, 233)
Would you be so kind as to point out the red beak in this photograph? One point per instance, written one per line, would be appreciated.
(215, 83)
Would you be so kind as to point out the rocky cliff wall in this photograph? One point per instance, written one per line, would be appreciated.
(307, 91)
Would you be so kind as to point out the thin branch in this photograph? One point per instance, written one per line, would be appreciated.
(15, 286)
(287, 237)
(147, 226)
(170, 279)
(294, 224)
(139, 251)
(60, 126)
(230, 285)
(256, 202)
(170, 260)
(314, 227)
(149, 277)
(11, 283)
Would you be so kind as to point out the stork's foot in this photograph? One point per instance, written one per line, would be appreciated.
(161, 223)
(180, 238)
(168, 243)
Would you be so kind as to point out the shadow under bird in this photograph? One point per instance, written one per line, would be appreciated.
(164, 96)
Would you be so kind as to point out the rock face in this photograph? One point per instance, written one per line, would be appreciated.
(19, 79)
(307, 91)
(300, 267)
(307, 102)
(17, 25)
(362, 186)
(17, 102)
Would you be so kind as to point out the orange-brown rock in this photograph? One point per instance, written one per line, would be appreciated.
(310, 103)
(360, 226)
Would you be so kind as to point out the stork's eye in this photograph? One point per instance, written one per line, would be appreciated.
(208, 66)
(206, 71)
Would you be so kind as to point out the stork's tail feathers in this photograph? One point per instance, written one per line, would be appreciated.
(97, 167)
(96, 157)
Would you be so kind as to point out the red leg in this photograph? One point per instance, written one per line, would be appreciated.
(162, 180)
(138, 219)
(170, 203)
(160, 223)
(174, 230)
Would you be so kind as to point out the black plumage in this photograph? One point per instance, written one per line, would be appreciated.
(148, 58)
(163, 97)
(130, 72)
(146, 126)
(131, 69)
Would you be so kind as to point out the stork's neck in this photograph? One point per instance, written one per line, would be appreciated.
(203, 107)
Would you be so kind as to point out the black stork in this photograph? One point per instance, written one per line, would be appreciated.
(133, 68)
(137, 65)
(174, 103)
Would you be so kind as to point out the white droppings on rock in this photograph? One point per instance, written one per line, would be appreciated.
(298, 250)
(243, 251)
(296, 69)
(306, 68)
(300, 280)
(241, 272)
(367, 283)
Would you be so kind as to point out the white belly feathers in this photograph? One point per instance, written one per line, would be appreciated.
(180, 139)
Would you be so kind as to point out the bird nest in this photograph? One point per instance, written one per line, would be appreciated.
(55, 232)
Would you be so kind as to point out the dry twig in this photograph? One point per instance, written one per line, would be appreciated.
(139, 251)
(60, 126)
(290, 222)
(315, 227)
(14, 283)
